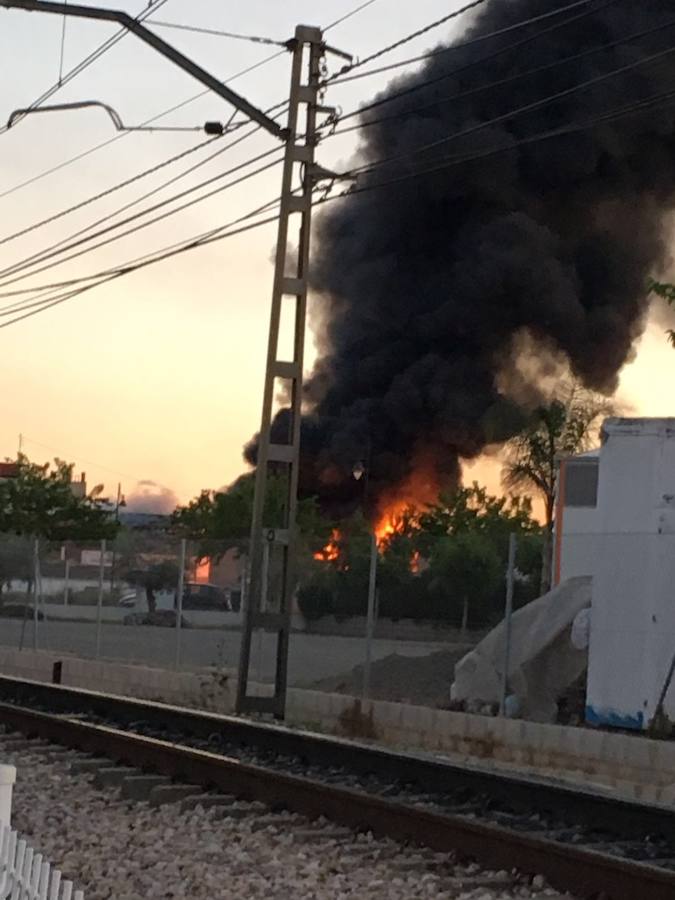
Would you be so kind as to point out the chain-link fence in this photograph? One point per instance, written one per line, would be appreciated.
(153, 598)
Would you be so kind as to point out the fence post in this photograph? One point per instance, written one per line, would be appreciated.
(36, 581)
(99, 604)
(66, 586)
(179, 599)
(370, 620)
(508, 612)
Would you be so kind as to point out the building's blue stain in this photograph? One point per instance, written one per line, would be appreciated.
(614, 719)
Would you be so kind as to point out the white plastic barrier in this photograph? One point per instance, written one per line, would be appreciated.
(7, 779)
(24, 875)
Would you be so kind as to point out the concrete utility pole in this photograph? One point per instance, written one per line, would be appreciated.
(265, 609)
(269, 598)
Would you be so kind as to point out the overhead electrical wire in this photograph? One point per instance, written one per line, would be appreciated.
(34, 307)
(255, 39)
(474, 4)
(439, 51)
(12, 274)
(107, 192)
(528, 107)
(349, 15)
(140, 175)
(47, 252)
(149, 121)
(434, 104)
(500, 51)
(222, 233)
(88, 60)
(444, 163)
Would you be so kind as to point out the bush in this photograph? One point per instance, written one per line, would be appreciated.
(315, 601)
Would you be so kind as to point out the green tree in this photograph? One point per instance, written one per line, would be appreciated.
(162, 576)
(221, 520)
(667, 292)
(566, 426)
(16, 561)
(466, 571)
(40, 502)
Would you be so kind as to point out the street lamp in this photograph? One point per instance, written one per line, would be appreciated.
(211, 128)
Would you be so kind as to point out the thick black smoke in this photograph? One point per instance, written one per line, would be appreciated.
(430, 288)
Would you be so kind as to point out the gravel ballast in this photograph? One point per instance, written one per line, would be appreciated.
(116, 848)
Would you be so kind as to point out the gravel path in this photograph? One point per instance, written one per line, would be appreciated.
(113, 848)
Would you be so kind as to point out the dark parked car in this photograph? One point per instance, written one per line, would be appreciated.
(206, 596)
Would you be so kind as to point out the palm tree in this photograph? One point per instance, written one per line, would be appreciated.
(566, 426)
(667, 292)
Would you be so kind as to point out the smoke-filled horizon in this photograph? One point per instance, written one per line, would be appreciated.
(445, 298)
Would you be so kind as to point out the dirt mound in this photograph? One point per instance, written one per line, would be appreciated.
(420, 680)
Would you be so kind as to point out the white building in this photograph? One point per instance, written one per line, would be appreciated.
(616, 522)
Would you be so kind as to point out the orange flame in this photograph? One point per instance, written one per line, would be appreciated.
(331, 551)
(415, 562)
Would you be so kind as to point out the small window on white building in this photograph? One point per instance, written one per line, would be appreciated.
(581, 483)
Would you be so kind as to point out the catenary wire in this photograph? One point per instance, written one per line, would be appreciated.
(438, 51)
(412, 89)
(502, 81)
(149, 121)
(528, 107)
(113, 275)
(37, 257)
(214, 235)
(255, 39)
(449, 162)
(12, 275)
(349, 15)
(152, 170)
(474, 4)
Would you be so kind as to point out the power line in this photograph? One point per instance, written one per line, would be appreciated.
(207, 239)
(438, 51)
(228, 34)
(149, 121)
(404, 40)
(88, 60)
(86, 462)
(414, 88)
(440, 165)
(20, 267)
(107, 192)
(528, 107)
(450, 162)
(349, 15)
(502, 81)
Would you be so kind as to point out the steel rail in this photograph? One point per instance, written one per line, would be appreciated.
(584, 871)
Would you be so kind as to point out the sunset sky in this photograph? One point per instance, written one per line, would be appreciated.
(158, 375)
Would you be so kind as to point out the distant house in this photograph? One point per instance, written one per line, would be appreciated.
(8, 470)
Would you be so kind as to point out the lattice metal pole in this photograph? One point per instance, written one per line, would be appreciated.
(290, 281)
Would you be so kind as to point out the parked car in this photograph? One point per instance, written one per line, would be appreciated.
(205, 596)
(128, 598)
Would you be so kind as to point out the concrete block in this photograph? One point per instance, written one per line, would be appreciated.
(207, 801)
(170, 793)
(112, 776)
(243, 810)
(138, 787)
(276, 821)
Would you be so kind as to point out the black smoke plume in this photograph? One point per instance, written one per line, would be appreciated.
(444, 297)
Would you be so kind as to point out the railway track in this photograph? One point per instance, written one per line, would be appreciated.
(589, 844)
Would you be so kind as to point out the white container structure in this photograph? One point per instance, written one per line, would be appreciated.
(7, 779)
(632, 639)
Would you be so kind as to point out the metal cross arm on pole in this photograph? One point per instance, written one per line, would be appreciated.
(127, 21)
